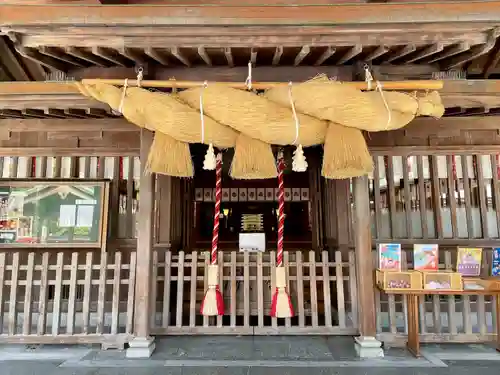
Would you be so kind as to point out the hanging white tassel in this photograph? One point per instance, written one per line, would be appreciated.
(299, 163)
(209, 162)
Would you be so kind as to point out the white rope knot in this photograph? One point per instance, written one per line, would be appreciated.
(248, 81)
(140, 76)
(299, 163)
(368, 78)
(209, 163)
(122, 100)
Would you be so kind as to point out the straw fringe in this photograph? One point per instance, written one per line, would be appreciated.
(345, 154)
(253, 159)
(170, 157)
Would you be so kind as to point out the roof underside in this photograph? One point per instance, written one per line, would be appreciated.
(196, 42)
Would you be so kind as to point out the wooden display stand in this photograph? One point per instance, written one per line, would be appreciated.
(491, 288)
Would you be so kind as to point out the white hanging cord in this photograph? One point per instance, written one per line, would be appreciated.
(386, 105)
(378, 87)
(140, 76)
(210, 161)
(295, 117)
(125, 85)
(299, 163)
(248, 81)
(202, 116)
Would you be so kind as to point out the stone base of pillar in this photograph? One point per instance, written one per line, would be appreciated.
(141, 347)
(368, 347)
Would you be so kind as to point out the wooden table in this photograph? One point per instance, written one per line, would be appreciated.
(412, 295)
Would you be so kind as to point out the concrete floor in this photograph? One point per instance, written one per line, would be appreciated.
(248, 356)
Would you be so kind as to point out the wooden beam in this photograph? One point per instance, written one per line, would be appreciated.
(404, 51)
(113, 57)
(362, 14)
(85, 56)
(204, 56)
(11, 62)
(473, 53)
(277, 55)
(61, 125)
(353, 52)
(180, 56)
(329, 52)
(145, 224)
(425, 52)
(60, 55)
(493, 60)
(451, 51)
(379, 51)
(156, 55)
(304, 51)
(363, 251)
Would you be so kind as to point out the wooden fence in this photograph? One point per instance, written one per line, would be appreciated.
(67, 297)
(323, 292)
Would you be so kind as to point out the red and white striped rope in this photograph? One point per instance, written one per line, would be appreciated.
(281, 210)
(218, 198)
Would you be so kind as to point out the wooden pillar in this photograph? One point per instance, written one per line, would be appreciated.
(142, 346)
(366, 344)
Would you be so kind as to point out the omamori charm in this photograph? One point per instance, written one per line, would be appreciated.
(281, 305)
(213, 302)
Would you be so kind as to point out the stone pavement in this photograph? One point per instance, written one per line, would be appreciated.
(292, 355)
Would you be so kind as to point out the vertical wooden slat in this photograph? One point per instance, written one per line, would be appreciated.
(180, 289)
(131, 293)
(153, 289)
(466, 315)
(130, 199)
(389, 175)
(233, 286)
(313, 288)
(2, 280)
(43, 167)
(56, 309)
(272, 254)
(452, 200)
(422, 197)
(101, 295)
(205, 283)
(28, 294)
(14, 165)
(436, 196)
(404, 267)
(221, 259)
(87, 286)
(2, 166)
(166, 290)
(353, 288)
(481, 186)
(452, 326)
(339, 276)
(260, 290)
(13, 293)
(286, 264)
(70, 326)
(192, 291)
(42, 300)
(467, 192)
(115, 304)
(407, 197)
(300, 289)
(57, 166)
(496, 189)
(246, 289)
(377, 198)
(422, 314)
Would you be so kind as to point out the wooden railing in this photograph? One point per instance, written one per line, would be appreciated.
(323, 291)
(67, 297)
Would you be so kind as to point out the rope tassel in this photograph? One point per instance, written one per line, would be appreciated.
(281, 304)
(213, 302)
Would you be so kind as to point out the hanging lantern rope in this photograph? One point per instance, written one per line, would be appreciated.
(281, 305)
(213, 302)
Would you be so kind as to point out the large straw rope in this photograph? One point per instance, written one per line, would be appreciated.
(348, 106)
(255, 116)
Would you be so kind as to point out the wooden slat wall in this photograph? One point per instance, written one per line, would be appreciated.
(449, 200)
(55, 296)
(322, 288)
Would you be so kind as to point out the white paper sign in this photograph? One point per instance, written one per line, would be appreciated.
(252, 242)
(85, 216)
(67, 215)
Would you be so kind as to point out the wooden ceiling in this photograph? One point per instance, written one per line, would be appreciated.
(218, 39)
